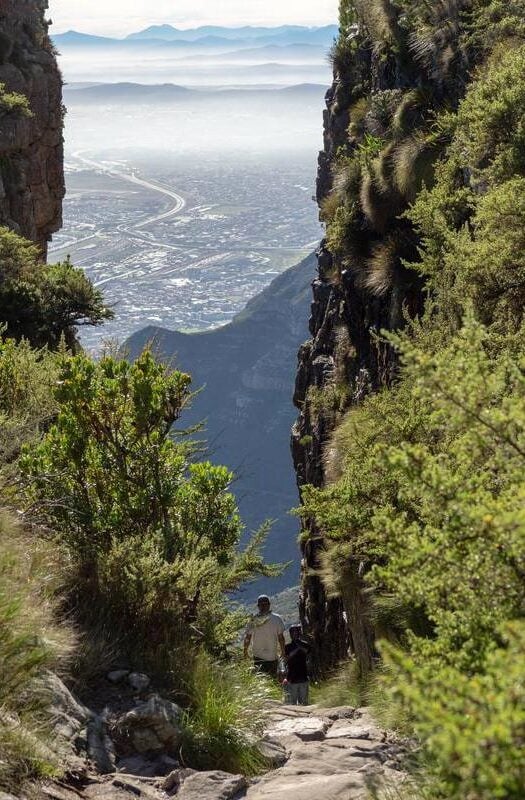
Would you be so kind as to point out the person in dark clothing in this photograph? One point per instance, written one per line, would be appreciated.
(296, 683)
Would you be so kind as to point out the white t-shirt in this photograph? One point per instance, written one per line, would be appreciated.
(264, 631)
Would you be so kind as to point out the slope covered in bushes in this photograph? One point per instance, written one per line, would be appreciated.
(424, 498)
(143, 535)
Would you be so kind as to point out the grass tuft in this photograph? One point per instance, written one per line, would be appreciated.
(225, 717)
(31, 643)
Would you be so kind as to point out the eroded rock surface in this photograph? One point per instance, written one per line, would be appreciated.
(316, 754)
(333, 754)
(31, 149)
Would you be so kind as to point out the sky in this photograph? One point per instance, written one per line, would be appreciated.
(120, 17)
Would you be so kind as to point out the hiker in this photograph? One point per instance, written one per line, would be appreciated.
(296, 683)
(265, 631)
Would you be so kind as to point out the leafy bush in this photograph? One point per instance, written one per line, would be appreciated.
(473, 726)
(30, 643)
(44, 303)
(151, 536)
(14, 103)
(27, 381)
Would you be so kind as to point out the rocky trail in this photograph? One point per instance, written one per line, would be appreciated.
(313, 753)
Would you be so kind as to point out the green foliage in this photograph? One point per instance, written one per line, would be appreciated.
(30, 644)
(472, 725)
(347, 16)
(44, 303)
(430, 501)
(479, 224)
(225, 716)
(14, 103)
(426, 491)
(151, 536)
(27, 379)
(329, 399)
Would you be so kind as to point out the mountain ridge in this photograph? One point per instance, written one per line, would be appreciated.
(246, 369)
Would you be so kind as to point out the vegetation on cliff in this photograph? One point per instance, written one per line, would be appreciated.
(425, 495)
(44, 303)
(13, 103)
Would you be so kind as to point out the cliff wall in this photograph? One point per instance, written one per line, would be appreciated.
(354, 298)
(31, 147)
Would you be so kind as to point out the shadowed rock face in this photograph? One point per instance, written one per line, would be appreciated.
(31, 150)
(343, 353)
(246, 370)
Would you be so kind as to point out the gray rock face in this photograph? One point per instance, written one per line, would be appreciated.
(31, 150)
(138, 681)
(152, 727)
(216, 785)
(273, 751)
(339, 759)
(80, 732)
(68, 714)
(147, 767)
(308, 729)
(122, 788)
(117, 675)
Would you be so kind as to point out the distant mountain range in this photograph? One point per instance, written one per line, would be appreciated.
(169, 92)
(293, 32)
(247, 371)
(165, 36)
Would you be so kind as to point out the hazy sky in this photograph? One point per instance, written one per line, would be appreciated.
(119, 17)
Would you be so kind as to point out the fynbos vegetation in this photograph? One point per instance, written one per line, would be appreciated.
(422, 517)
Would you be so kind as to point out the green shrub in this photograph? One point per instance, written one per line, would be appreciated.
(27, 382)
(14, 103)
(44, 303)
(472, 726)
(151, 536)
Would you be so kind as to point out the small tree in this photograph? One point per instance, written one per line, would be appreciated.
(44, 303)
(152, 538)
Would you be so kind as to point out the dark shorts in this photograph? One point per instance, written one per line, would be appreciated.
(268, 667)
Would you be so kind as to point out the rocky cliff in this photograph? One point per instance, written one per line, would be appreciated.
(31, 150)
(362, 288)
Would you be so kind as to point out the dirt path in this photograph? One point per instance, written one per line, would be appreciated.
(318, 754)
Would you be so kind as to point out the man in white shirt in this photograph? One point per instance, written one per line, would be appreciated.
(265, 632)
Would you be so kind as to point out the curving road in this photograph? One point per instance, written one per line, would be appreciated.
(180, 202)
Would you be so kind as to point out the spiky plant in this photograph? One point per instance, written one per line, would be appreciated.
(410, 113)
(347, 178)
(382, 266)
(31, 642)
(329, 206)
(379, 206)
(413, 160)
(382, 107)
(357, 115)
(385, 267)
(436, 40)
(384, 169)
(379, 21)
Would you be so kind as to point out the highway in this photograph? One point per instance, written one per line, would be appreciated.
(180, 202)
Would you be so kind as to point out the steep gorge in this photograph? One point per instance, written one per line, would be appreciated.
(31, 148)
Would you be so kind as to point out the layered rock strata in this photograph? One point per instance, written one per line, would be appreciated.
(31, 146)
